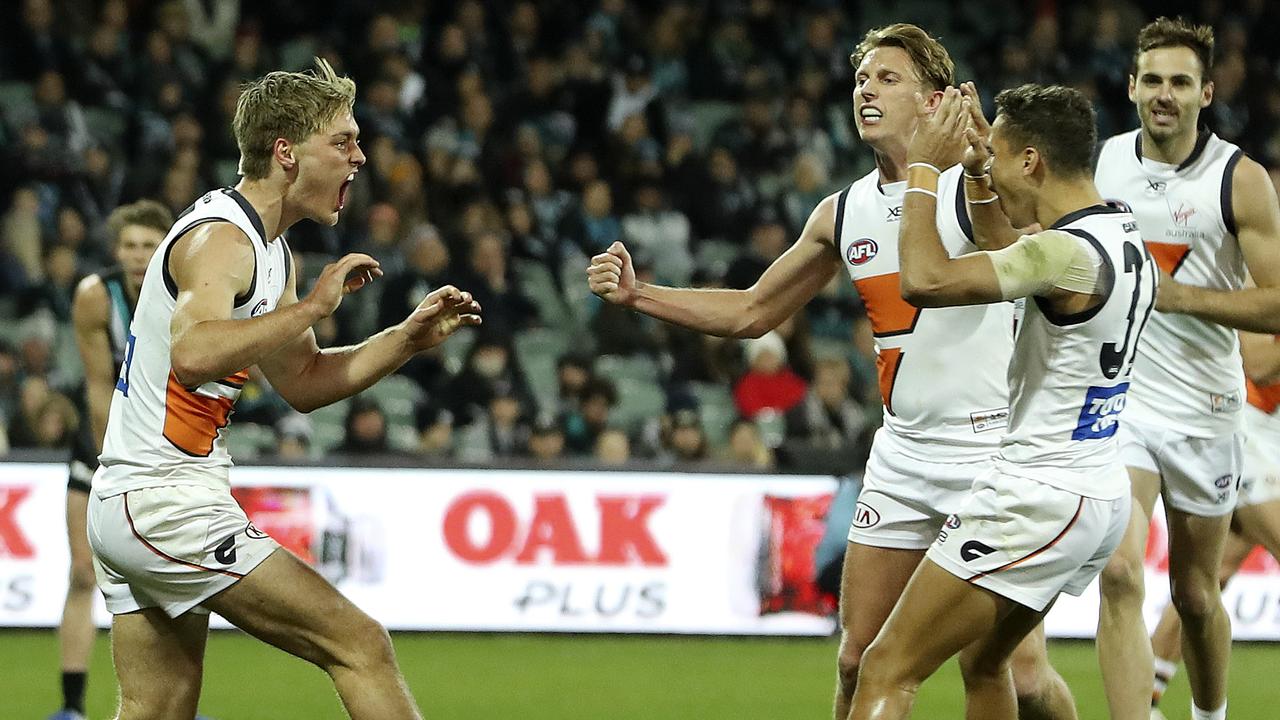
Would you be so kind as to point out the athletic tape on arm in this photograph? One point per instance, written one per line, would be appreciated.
(1036, 264)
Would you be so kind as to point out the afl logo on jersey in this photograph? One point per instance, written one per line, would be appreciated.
(861, 251)
(260, 308)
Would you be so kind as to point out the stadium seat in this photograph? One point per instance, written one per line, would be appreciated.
(454, 351)
(247, 440)
(638, 400)
(708, 115)
(632, 367)
(107, 126)
(715, 405)
(16, 103)
(398, 396)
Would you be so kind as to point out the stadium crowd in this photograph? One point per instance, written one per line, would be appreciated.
(508, 142)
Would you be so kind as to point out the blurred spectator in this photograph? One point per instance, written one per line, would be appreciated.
(726, 200)
(490, 281)
(34, 44)
(293, 437)
(584, 426)
(501, 432)
(769, 239)
(683, 438)
(769, 383)
(490, 366)
(594, 227)
(828, 417)
(573, 375)
(747, 448)
(365, 429)
(546, 439)
(435, 431)
(612, 447)
(659, 232)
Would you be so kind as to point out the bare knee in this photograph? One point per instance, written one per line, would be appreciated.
(365, 645)
(978, 668)
(848, 663)
(1123, 579)
(1032, 675)
(883, 667)
(1195, 600)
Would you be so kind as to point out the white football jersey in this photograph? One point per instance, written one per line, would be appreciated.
(159, 432)
(941, 370)
(1070, 375)
(1192, 380)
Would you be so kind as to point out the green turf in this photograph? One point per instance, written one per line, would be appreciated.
(565, 677)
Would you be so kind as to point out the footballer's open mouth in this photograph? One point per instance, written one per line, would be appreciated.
(342, 191)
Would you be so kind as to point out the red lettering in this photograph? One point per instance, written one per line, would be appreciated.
(552, 528)
(502, 526)
(624, 530)
(13, 543)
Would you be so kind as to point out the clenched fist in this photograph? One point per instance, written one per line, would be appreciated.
(612, 276)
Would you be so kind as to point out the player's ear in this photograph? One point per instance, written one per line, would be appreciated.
(932, 99)
(282, 150)
(1133, 89)
(1206, 94)
(1031, 160)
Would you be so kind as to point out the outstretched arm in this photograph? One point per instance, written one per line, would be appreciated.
(1256, 309)
(308, 377)
(211, 266)
(790, 282)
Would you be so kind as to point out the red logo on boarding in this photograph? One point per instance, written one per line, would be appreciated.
(861, 251)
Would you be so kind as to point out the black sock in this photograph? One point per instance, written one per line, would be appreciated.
(73, 691)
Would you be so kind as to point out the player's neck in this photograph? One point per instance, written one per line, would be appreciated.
(1171, 150)
(1061, 197)
(267, 198)
(892, 165)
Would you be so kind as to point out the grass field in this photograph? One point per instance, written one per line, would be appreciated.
(577, 677)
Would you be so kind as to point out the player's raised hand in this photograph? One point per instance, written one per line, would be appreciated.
(440, 314)
(977, 152)
(612, 276)
(338, 279)
(939, 137)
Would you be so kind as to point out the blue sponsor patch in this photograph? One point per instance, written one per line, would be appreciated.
(1100, 415)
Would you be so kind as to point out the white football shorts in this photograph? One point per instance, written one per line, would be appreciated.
(1198, 476)
(171, 547)
(904, 501)
(1029, 541)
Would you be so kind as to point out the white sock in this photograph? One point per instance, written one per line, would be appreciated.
(1198, 714)
(1165, 670)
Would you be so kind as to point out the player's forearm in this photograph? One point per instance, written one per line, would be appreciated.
(724, 313)
(922, 259)
(98, 399)
(337, 373)
(214, 349)
(1251, 309)
(991, 227)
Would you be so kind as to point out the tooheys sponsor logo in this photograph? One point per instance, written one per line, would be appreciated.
(552, 532)
(13, 542)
